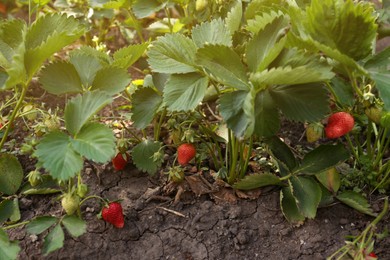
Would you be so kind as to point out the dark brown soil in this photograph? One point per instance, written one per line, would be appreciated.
(194, 228)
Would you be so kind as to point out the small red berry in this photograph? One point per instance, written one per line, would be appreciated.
(120, 161)
(114, 214)
(339, 124)
(185, 153)
(373, 255)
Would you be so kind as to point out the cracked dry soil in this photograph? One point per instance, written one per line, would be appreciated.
(195, 228)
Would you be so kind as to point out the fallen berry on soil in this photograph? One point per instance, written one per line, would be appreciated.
(339, 124)
(114, 214)
(120, 160)
(70, 203)
(185, 153)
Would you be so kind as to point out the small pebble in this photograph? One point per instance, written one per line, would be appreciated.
(343, 221)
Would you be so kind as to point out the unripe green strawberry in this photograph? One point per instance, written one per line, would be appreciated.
(314, 132)
(374, 113)
(200, 5)
(176, 174)
(70, 203)
(113, 213)
(185, 153)
(385, 120)
(339, 124)
(30, 112)
(34, 178)
(52, 123)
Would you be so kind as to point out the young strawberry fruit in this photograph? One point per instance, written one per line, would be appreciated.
(374, 113)
(113, 214)
(185, 153)
(314, 132)
(120, 160)
(70, 203)
(339, 124)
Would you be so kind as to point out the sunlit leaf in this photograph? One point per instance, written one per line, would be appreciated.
(82, 107)
(95, 142)
(74, 225)
(183, 92)
(86, 66)
(144, 8)
(40, 224)
(54, 240)
(172, 53)
(233, 18)
(57, 155)
(60, 78)
(111, 80)
(224, 65)
(213, 32)
(146, 103)
(125, 57)
(142, 155)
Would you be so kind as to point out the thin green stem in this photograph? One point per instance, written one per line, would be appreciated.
(351, 146)
(91, 197)
(233, 157)
(16, 225)
(248, 156)
(13, 115)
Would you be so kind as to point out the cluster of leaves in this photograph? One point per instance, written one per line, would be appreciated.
(260, 61)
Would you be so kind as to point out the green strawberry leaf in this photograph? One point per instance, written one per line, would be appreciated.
(382, 84)
(146, 103)
(214, 32)
(172, 53)
(54, 240)
(95, 142)
(260, 21)
(111, 80)
(184, 92)
(144, 8)
(9, 250)
(60, 78)
(307, 193)
(327, 21)
(304, 102)
(224, 65)
(40, 224)
(11, 37)
(57, 155)
(343, 91)
(82, 107)
(330, 179)
(86, 65)
(142, 155)
(6, 210)
(322, 158)
(15, 216)
(267, 121)
(281, 152)
(125, 57)
(356, 201)
(47, 35)
(289, 207)
(254, 181)
(11, 174)
(233, 17)
(293, 76)
(75, 226)
(232, 112)
(267, 44)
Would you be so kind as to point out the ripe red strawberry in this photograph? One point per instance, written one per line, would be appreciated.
(372, 255)
(120, 160)
(114, 214)
(185, 153)
(339, 124)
